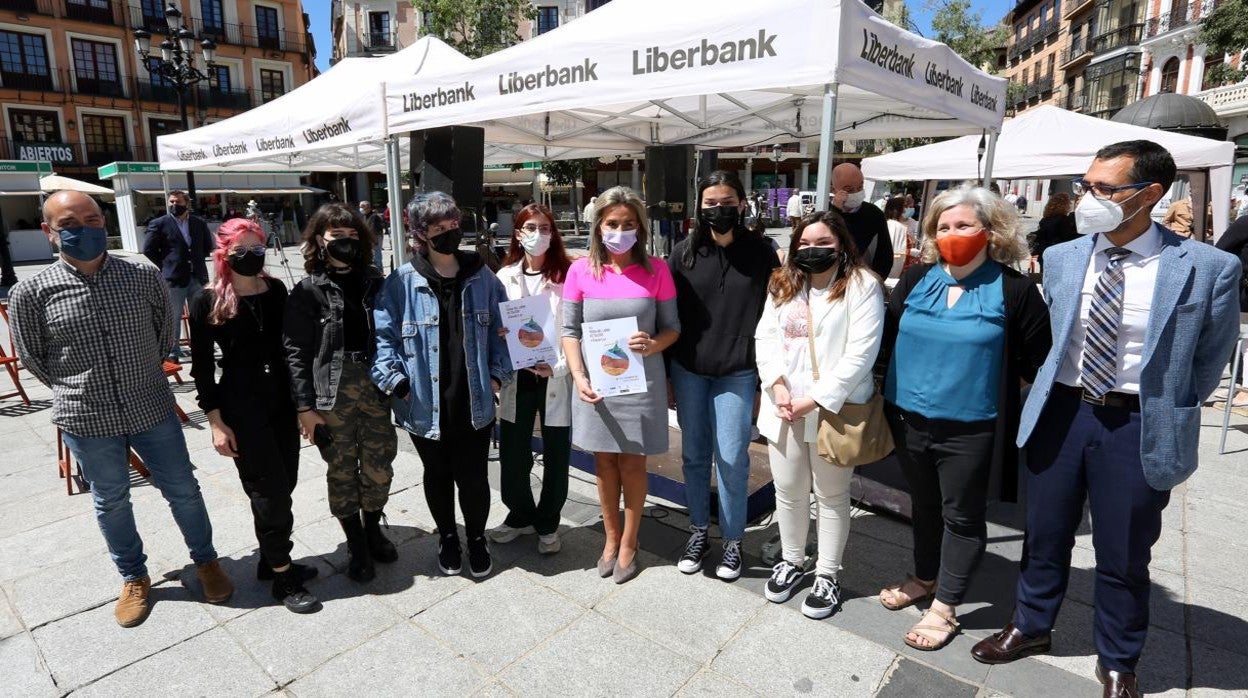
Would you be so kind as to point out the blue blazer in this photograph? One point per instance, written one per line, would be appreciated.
(167, 249)
(1191, 331)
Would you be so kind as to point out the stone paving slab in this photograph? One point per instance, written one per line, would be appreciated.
(9, 622)
(25, 673)
(909, 679)
(708, 684)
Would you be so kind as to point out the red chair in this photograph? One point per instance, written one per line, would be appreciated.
(10, 360)
(65, 463)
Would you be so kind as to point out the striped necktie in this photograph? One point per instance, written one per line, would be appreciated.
(1100, 345)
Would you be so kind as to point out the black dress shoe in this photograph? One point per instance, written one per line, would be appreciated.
(1117, 684)
(1009, 644)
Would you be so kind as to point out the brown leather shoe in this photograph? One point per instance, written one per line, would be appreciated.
(1118, 684)
(1009, 644)
(132, 608)
(217, 585)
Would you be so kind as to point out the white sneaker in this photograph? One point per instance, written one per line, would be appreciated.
(506, 534)
(549, 544)
(730, 566)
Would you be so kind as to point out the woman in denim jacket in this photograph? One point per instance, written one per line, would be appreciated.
(441, 357)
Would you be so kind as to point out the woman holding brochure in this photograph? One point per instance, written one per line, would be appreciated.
(619, 314)
(535, 267)
(441, 357)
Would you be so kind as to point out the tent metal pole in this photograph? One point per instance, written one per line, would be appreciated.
(989, 155)
(394, 191)
(827, 128)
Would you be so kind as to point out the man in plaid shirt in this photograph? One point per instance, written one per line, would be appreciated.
(95, 329)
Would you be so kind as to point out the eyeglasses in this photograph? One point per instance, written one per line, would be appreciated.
(534, 228)
(1103, 191)
(253, 249)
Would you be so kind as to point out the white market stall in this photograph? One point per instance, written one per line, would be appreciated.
(20, 199)
(1052, 142)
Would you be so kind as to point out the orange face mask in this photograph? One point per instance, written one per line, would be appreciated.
(959, 250)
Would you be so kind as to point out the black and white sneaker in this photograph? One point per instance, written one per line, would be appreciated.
(450, 555)
(730, 566)
(479, 562)
(695, 550)
(823, 598)
(784, 580)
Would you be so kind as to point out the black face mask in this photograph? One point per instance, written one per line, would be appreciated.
(344, 249)
(246, 264)
(447, 242)
(721, 218)
(177, 209)
(814, 260)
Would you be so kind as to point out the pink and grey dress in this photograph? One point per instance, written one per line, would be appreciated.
(626, 423)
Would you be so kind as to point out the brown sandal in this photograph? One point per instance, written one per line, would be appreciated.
(950, 627)
(928, 587)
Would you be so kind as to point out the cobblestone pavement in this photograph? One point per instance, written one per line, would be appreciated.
(549, 625)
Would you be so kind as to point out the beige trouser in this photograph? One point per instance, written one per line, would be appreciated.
(795, 466)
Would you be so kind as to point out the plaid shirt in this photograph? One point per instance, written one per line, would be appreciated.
(98, 341)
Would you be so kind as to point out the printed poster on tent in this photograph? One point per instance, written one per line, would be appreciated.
(530, 331)
(614, 369)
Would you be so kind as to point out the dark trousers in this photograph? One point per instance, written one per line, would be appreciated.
(460, 460)
(515, 454)
(8, 276)
(268, 467)
(947, 465)
(1080, 452)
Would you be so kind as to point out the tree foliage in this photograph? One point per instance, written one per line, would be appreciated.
(475, 28)
(1225, 31)
(565, 173)
(963, 30)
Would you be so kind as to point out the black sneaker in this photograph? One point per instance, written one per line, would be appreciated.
(288, 590)
(695, 550)
(784, 580)
(450, 556)
(730, 566)
(823, 598)
(479, 562)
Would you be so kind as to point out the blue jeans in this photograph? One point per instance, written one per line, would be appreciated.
(715, 415)
(178, 298)
(104, 463)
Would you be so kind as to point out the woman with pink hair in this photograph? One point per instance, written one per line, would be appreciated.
(250, 408)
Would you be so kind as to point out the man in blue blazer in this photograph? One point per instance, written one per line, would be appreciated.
(177, 244)
(1143, 321)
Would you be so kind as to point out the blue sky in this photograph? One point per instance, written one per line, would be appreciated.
(318, 11)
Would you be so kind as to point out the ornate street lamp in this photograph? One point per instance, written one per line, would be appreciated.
(176, 65)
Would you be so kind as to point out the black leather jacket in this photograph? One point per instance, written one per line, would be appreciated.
(314, 336)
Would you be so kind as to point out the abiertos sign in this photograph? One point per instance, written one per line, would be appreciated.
(48, 152)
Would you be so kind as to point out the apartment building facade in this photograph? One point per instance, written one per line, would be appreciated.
(1032, 52)
(73, 89)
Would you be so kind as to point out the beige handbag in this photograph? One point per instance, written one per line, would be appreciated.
(859, 433)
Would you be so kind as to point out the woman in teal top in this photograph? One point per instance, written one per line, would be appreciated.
(962, 331)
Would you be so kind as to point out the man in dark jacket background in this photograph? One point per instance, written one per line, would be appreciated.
(865, 221)
(177, 243)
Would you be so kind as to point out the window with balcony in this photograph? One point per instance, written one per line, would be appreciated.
(1170, 76)
(594, 4)
(105, 137)
(152, 15)
(24, 61)
(272, 85)
(1206, 80)
(98, 11)
(31, 126)
(213, 15)
(1052, 64)
(162, 127)
(1119, 23)
(95, 68)
(1111, 85)
(547, 19)
(267, 31)
(379, 30)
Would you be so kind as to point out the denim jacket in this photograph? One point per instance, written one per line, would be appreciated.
(406, 317)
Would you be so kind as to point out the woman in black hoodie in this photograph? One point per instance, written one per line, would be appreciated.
(721, 274)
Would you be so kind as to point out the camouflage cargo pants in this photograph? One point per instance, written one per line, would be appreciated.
(361, 457)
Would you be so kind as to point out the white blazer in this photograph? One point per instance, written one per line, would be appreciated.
(559, 387)
(847, 337)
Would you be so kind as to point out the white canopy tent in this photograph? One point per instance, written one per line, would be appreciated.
(1052, 142)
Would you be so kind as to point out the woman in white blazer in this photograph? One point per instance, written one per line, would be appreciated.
(535, 265)
(821, 284)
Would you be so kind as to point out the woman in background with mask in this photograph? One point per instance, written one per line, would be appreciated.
(721, 272)
(823, 300)
(619, 280)
(441, 356)
(898, 234)
(536, 265)
(963, 329)
(329, 347)
(250, 410)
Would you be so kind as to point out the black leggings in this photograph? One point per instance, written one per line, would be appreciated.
(457, 459)
(947, 465)
(268, 467)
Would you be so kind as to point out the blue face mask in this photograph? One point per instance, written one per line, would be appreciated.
(908, 213)
(83, 242)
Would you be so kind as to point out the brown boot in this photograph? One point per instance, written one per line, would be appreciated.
(132, 607)
(217, 585)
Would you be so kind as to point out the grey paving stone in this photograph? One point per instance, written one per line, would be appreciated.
(707, 683)
(9, 622)
(610, 660)
(208, 664)
(401, 659)
(26, 552)
(83, 647)
(573, 571)
(55, 592)
(1216, 670)
(765, 657)
(348, 617)
(249, 592)
(689, 614)
(41, 508)
(910, 679)
(414, 582)
(1027, 678)
(24, 671)
(494, 689)
(470, 620)
(38, 477)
